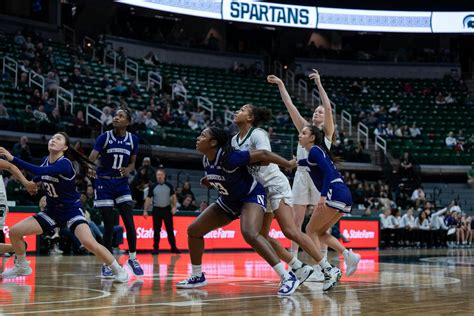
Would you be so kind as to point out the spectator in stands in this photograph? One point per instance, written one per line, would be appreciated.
(202, 206)
(19, 38)
(35, 100)
(106, 117)
(48, 102)
(17, 192)
(407, 167)
(394, 111)
(76, 77)
(469, 146)
(120, 89)
(449, 99)
(408, 89)
(150, 122)
(106, 83)
(80, 124)
(187, 204)
(150, 171)
(193, 123)
(460, 141)
(364, 89)
(150, 59)
(440, 98)
(184, 191)
(179, 88)
(22, 150)
(51, 82)
(418, 197)
(450, 140)
(390, 131)
(40, 114)
(380, 130)
(415, 132)
(470, 176)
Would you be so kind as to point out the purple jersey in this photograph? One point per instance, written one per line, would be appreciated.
(114, 152)
(231, 179)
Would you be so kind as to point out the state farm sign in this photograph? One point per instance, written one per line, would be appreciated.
(361, 233)
(228, 237)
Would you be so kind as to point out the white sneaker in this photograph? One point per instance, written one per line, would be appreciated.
(19, 269)
(121, 277)
(331, 277)
(317, 275)
(303, 273)
(288, 285)
(351, 260)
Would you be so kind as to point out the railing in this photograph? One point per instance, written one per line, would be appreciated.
(111, 54)
(290, 79)
(36, 79)
(278, 69)
(206, 104)
(380, 143)
(178, 93)
(346, 118)
(89, 43)
(303, 89)
(11, 65)
(90, 107)
(228, 117)
(69, 34)
(363, 130)
(65, 96)
(315, 100)
(131, 66)
(155, 77)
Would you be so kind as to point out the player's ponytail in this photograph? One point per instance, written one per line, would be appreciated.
(319, 141)
(72, 154)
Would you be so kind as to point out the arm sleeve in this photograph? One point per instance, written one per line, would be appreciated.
(171, 188)
(261, 140)
(63, 167)
(135, 141)
(317, 156)
(100, 142)
(303, 163)
(238, 158)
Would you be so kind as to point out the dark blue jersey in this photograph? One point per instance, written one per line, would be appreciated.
(322, 170)
(114, 152)
(58, 180)
(233, 181)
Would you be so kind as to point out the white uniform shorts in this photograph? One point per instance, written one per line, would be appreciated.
(278, 188)
(304, 191)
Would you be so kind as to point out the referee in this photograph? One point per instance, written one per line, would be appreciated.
(163, 197)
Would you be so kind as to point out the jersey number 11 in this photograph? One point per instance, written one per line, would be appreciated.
(118, 159)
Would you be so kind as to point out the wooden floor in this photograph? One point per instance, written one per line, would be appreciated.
(395, 282)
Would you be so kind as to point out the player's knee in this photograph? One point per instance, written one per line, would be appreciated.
(194, 231)
(290, 233)
(250, 235)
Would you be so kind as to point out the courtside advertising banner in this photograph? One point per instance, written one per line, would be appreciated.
(12, 219)
(228, 237)
(361, 233)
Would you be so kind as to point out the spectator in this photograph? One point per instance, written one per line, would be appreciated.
(450, 140)
(51, 82)
(187, 204)
(407, 168)
(22, 150)
(418, 197)
(19, 38)
(390, 131)
(440, 98)
(415, 132)
(380, 130)
(106, 117)
(179, 88)
(460, 141)
(40, 115)
(184, 191)
(150, 122)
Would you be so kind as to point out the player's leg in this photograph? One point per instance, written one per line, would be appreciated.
(82, 231)
(27, 227)
(211, 218)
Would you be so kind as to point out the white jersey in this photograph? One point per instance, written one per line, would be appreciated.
(257, 138)
(3, 203)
